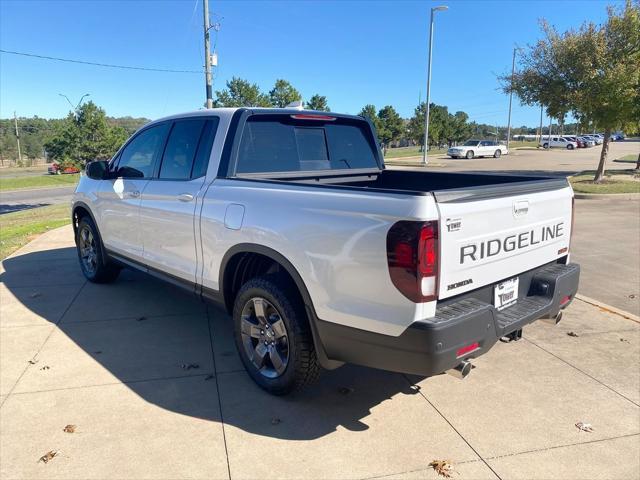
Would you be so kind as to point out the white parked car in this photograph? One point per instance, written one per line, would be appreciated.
(558, 142)
(588, 141)
(478, 148)
(597, 139)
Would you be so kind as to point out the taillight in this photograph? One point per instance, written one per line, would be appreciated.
(412, 256)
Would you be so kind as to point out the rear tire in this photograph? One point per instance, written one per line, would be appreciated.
(95, 266)
(497, 153)
(273, 336)
(469, 155)
(570, 147)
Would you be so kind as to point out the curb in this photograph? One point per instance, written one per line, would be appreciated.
(608, 308)
(412, 164)
(594, 196)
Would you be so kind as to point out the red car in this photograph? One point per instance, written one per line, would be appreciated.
(54, 169)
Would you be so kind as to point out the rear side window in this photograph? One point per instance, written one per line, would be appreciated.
(201, 161)
(186, 155)
(181, 149)
(138, 157)
(280, 143)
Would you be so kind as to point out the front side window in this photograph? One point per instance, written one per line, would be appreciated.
(138, 157)
(281, 143)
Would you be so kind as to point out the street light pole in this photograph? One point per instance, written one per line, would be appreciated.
(426, 116)
(513, 70)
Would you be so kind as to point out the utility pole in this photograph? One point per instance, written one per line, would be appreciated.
(426, 116)
(207, 55)
(15, 121)
(513, 69)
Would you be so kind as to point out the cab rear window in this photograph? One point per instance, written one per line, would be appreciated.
(281, 143)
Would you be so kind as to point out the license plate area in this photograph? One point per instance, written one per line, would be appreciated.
(505, 294)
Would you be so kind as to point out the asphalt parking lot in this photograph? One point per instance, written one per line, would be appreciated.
(150, 379)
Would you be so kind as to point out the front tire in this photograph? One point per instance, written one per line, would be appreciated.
(273, 336)
(497, 153)
(545, 145)
(95, 267)
(469, 155)
(570, 147)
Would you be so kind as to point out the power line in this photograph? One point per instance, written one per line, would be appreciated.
(107, 65)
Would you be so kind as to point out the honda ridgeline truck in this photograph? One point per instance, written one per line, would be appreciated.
(290, 221)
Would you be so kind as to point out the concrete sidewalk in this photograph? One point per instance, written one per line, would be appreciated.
(150, 377)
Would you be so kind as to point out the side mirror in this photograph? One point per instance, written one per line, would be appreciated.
(97, 170)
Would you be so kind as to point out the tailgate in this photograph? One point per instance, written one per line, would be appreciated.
(494, 234)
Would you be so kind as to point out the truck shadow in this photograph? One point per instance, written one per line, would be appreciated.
(172, 350)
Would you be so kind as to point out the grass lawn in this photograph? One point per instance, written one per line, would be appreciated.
(17, 183)
(631, 158)
(515, 145)
(19, 228)
(616, 181)
(404, 152)
(18, 170)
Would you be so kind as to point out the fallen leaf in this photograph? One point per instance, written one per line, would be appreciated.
(442, 467)
(624, 340)
(69, 429)
(632, 296)
(140, 319)
(48, 456)
(275, 421)
(97, 352)
(46, 367)
(33, 361)
(209, 377)
(345, 390)
(572, 334)
(189, 366)
(35, 295)
(584, 427)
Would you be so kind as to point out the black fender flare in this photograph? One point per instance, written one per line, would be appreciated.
(297, 279)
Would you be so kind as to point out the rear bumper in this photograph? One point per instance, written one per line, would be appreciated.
(429, 347)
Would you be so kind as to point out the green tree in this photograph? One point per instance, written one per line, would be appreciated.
(241, 93)
(391, 126)
(84, 136)
(369, 111)
(592, 72)
(416, 124)
(318, 102)
(283, 93)
(460, 126)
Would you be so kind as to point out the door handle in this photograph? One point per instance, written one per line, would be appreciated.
(133, 193)
(185, 197)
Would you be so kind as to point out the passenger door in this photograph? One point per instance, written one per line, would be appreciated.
(168, 204)
(485, 148)
(119, 197)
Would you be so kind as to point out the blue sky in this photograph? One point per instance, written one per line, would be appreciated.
(354, 52)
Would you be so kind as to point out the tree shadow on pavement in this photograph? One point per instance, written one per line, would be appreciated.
(150, 336)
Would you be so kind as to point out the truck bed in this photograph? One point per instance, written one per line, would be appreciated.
(446, 186)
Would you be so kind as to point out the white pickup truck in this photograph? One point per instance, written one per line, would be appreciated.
(290, 221)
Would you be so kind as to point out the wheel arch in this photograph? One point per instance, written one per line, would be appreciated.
(79, 210)
(236, 268)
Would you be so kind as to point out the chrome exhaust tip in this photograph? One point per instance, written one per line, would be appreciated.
(461, 370)
(554, 320)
